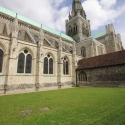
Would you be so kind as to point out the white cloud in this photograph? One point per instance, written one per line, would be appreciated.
(107, 3)
(46, 12)
(49, 12)
(99, 14)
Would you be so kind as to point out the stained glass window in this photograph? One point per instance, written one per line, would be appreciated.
(24, 62)
(65, 67)
(28, 63)
(67, 70)
(45, 65)
(50, 66)
(1, 60)
(21, 60)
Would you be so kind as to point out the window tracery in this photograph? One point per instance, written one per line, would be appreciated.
(65, 66)
(24, 62)
(48, 65)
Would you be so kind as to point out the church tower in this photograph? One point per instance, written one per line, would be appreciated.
(77, 26)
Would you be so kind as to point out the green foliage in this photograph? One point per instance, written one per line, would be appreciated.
(77, 106)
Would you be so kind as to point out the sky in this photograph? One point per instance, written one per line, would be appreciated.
(53, 13)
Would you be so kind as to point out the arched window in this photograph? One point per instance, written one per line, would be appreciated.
(82, 77)
(1, 59)
(21, 60)
(36, 38)
(28, 63)
(83, 52)
(65, 66)
(19, 35)
(48, 65)
(24, 62)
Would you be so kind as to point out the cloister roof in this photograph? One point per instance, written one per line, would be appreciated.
(111, 59)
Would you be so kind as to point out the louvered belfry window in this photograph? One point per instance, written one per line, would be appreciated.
(65, 66)
(24, 62)
(48, 65)
(1, 60)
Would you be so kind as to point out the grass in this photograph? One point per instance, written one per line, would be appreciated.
(77, 106)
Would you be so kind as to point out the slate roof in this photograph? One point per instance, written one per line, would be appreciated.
(111, 59)
(24, 19)
(97, 35)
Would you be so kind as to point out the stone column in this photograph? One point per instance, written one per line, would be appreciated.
(11, 63)
(39, 63)
(74, 65)
(60, 64)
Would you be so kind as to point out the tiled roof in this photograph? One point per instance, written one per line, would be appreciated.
(110, 59)
(102, 33)
(24, 19)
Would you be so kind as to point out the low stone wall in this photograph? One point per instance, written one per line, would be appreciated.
(118, 84)
(111, 76)
(20, 88)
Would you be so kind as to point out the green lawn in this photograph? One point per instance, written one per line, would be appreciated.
(77, 106)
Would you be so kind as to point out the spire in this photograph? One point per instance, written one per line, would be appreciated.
(41, 31)
(15, 22)
(77, 8)
(60, 42)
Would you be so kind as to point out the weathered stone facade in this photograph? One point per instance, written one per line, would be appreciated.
(34, 57)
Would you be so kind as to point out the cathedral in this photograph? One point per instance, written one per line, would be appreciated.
(34, 57)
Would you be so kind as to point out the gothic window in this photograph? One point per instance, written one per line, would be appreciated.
(28, 63)
(48, 65)
(82, 76)
(65, 66)
(19, 35)
(36, 38)
(83, 52)
(1, 59)
(24, 62)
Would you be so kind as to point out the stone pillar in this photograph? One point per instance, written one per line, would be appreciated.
(74, 65)
(11, 63)
(60, 64)
(39, 63)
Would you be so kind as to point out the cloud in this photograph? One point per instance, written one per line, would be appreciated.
(53, 13)
(101, 14)
(47, 12)
(107, 3)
